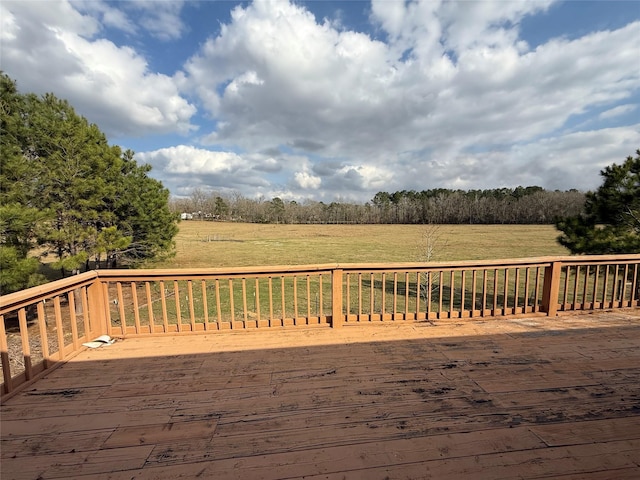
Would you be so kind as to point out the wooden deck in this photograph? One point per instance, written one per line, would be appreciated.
(519, 398)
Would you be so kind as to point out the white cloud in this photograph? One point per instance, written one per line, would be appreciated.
(106, 14)
(453, 78)
(305, 180)
(183, 168)
(617, 111)
(369, 177)
(577, 158)
(304, 69)
(49, 46)
(425, 30)
(447, 94)
(561, 162)
(160, 18)
(185, 159)
(478, 24)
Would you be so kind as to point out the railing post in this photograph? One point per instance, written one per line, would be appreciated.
(550, 289)
(336, 298)
(4, 360)
(97, 308)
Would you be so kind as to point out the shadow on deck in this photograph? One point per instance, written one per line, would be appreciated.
(510, 398)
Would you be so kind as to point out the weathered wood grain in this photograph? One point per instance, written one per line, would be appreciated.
(522, 398)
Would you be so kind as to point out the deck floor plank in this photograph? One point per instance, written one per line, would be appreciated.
(533, 463)
(522, 398)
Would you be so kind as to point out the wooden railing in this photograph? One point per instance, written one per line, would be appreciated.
(43, 326)
(175, 301)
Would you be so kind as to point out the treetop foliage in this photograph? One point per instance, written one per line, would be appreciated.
(610, 222)
(69, 194)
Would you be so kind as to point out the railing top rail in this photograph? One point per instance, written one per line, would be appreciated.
(201, 273)
(322, 268)
(458, 264)
(31, 295)
(600, 259)
(153, 274)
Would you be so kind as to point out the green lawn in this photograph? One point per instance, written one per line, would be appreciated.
(220, 244)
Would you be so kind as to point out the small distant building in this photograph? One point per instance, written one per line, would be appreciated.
(186, 216)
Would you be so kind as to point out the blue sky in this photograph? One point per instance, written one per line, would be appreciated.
(329, 101)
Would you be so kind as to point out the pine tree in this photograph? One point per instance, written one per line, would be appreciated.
(611, 220)
(64, 189)
(19, 217)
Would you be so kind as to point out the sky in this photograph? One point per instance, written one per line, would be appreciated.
(336, 101)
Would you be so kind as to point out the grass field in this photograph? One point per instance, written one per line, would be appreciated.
(220, 244)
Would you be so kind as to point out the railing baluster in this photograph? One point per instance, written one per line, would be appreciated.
(441, 291)
(584, 288)
(176, 293)
(192, 311)
(205, 304)
(147, 288)
(536, 299)
(44, 337)
(348, 294)
(634, 285)
(463, 280)
(418, 294)
(406, 296)
(26, 346)
(605, 288)
(321, 313)
(73, 319)
(474, 285)
(505, 293)
(576, 288)
(282, 291)
(623, 284)
(163, 301)
(100, 314)
(258, 318)
(383, 308)
(218, 304)
(596, 276)
(614, 294)
(59, 327)
(245, 312)
(270, 301)
(565, 296)
(85, 313)
(395, 296)
(527, 280)
(295, 300)
(136, 308)
(428, 293)
(310, 302)
(231, 304)
(495, 292)
(371, 295)
(452, 292)
(484, 291)
(516, 292)
(121, 311)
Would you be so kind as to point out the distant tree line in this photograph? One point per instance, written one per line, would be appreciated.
(521, 205)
